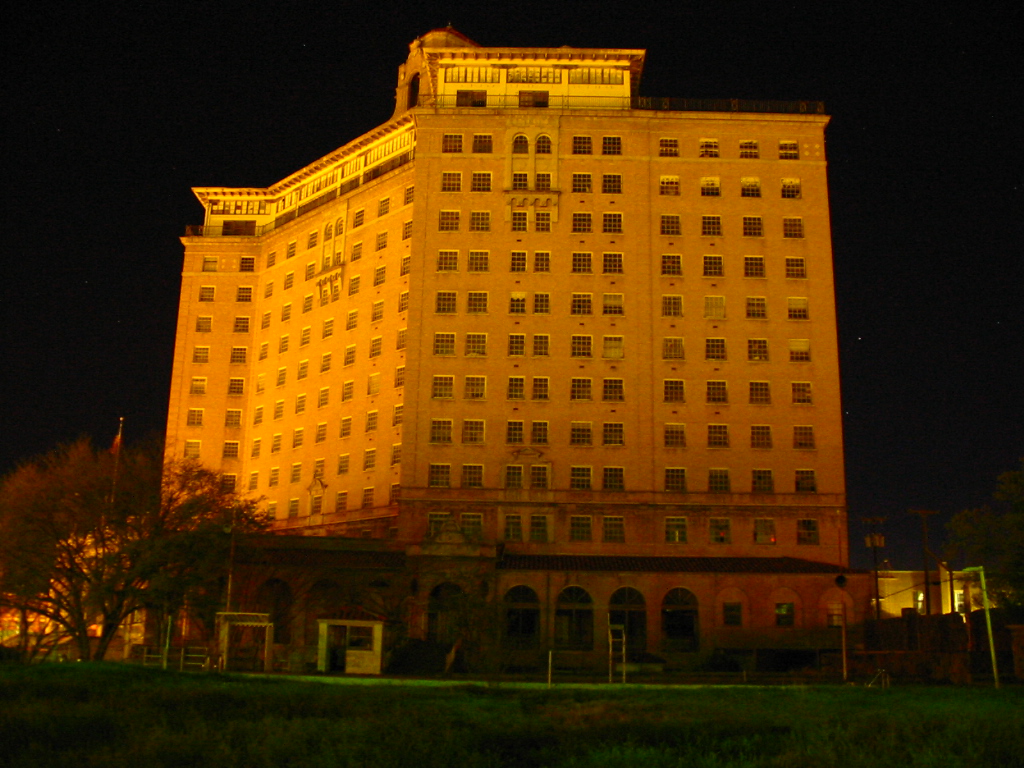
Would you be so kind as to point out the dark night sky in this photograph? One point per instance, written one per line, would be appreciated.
(115, 110)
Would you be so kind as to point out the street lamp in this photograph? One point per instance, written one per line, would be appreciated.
(980, 569)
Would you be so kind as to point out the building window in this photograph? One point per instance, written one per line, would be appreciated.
(539, 476)
(792, 227)
(757, 307)
(581, 182)
(760, 436)
(540, 388)
(472, 477)
(611, 184)
(206, 293)
(444, 343)
(797, 308)
(612, 304)
(451, 142)
(445, 303)
(520, 222)
(791, 189)
(675, 530)
(582, 145)
(671, 306)
(579, 389)
(204, 324)
(708, 148)
(476, 302)
(613, 433)
(753, 226)
(789, 150)
(581, 263)
(376, 344)
(440, 430)
(513, 476)
(757, 350)
(750, 187)
(668, 185)
(671, 224)
(400, 376)
(711, 226)
(801, 392)
(476, 344)
(714, 349)
(343, 464)
(714, 266)
(439, 476)
(443, 387)
(581, 346)
(352, 320)
(807, 531)
(580, 433)
(611, 223)
(244, 293)
(760, 393)
(448, 221)
(579, 528)
(516, 344)
(200, 354)
(785, 614)
(473, 431)
(806, 482)
(236, 386)
(479, 261)
(675, 436)
(535, 99)
(581, 304)
(541, 343)
(542, 222)
(714, 307)
(614, 347)
(675, 391)
(803, 437)
(796, 268)
(720, 530)
(406, 230)
(516, 388)
(542, 182)
(475, 388)
(611, 145)
(710, 186)
(543, 145)
(717, 392)
(582, 223)
(480, 221)
(763, 482)
(517, 304)
(482, 144)
(675, 480)
(753, 266)
(799, 350)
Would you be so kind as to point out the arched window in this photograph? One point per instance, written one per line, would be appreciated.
(413, 94)
(543, 145)
(628, 609)
(328, 231)
(522, 618)
(446, 612)
(574, 620)
(275, 598)
(680, 629)
(520, 145)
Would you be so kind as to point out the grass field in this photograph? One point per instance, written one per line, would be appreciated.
(87, 715)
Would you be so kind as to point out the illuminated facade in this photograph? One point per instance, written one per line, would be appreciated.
(591, 332)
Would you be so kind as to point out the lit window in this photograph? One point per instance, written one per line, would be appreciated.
(708, 148)
(675, 482)
(675, 435)
(799, 350)
(785, 614)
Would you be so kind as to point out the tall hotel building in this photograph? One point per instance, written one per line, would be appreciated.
(591, 334)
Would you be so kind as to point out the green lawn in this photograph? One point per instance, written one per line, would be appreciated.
(86, 715)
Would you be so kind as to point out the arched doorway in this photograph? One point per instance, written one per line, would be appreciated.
(446, 613)
(680, 628)
(522, 618)
(574, 620)
(627, 608)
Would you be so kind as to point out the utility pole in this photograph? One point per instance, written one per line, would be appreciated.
(927, 574)
(874, 539)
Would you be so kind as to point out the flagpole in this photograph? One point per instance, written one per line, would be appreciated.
(116, 450)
